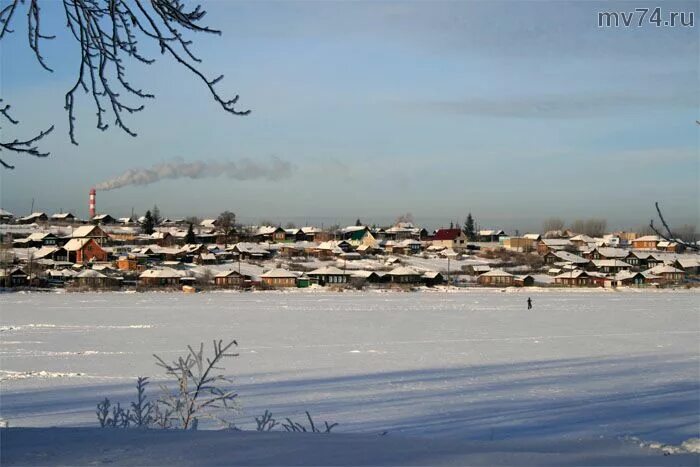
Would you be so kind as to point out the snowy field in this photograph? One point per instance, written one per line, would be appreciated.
(471, 365)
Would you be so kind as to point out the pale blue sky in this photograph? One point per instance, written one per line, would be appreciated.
(515, 111)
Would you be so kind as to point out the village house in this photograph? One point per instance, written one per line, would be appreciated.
(670, 247)
(83, 250)
(524, 244)
(404, 275)
(270, 234)
(230, 279)
(607, 253)
(450, 238)
(610, 266)
(36, 240)
(54, 253)
(574, 277)
(627, 279)
(525, 280)
(104, 219)
(668, 273)
(163, 277)
(91, 232)
(647, 242)
(358, 235)
(329, 275)
(15, 277)
(689, 265)
(554, 244)
(279, 278)
(496, 277)
(561, 256)
(92, 279)
(491, 236)
(432, 278)
(63, 217)
(33, 218)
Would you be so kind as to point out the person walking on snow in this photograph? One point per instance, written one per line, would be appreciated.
(529, 303)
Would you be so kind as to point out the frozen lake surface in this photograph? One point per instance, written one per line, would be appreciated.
(472, 364)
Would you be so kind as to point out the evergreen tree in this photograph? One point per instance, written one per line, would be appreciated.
(358, 222)
(148, 224)
(190, 237)
(469, 228)
(452, 225)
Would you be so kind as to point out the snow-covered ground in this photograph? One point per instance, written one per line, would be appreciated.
(471, 365)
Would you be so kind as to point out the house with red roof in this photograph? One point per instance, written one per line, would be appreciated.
(450, 238)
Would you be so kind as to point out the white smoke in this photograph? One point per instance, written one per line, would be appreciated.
(244, 169)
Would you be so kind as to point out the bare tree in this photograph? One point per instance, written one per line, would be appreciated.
(225, 222)
(553, 223)
(110, 33)
(592, 227)
(668, 234)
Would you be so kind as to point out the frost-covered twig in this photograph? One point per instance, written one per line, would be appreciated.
(298, 427)
(266, 422)
(198, 393)
(142, 410)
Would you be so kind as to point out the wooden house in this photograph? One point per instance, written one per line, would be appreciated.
(404, 275)
(164, 277)
(91, 231)
(610, 266)
(554, 244)
(270, 233)
(574, 277)
(492, 235)
(63, 217)
(279, 278)
(82, 250)
(15, 277)
(104, 219)
(329, 275)
(496, 277)
(450, 238)
(647, 242)
(92, 279)
(33, 218)
(231, 279)
(668, 273)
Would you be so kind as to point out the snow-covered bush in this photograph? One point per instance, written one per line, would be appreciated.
(199, 393)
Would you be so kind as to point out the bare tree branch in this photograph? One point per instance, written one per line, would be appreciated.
(109, 32)
(667, 233)
(26, 147)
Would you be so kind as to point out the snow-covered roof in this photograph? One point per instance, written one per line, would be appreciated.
(664, 269)
(84, 231)
(327, 271)
(573, 274)
(404, 271)
(90, 273)
(570, 257)
(62, 215)
(279, 273)
(75, 244)
(162, 273)
(610, 263)
(647, 238)
(610, 252)
(496, 273)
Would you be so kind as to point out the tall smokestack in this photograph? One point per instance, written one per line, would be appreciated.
(92, 202)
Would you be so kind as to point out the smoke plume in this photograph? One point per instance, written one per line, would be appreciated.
(244, 169)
